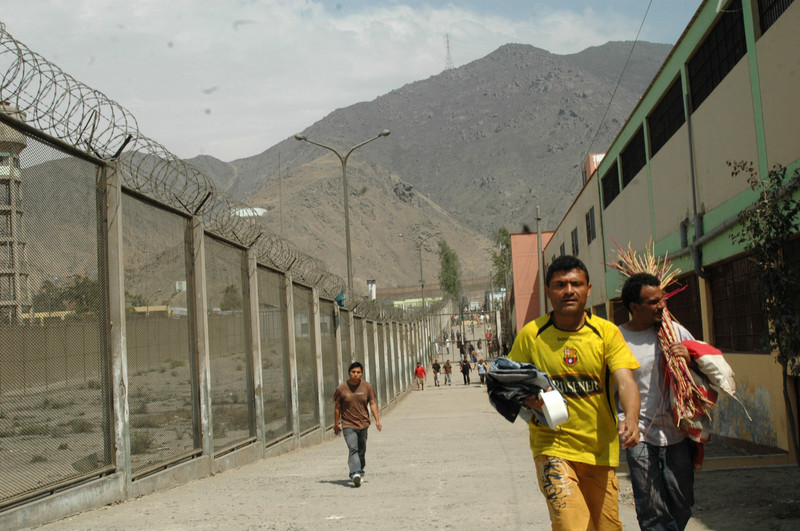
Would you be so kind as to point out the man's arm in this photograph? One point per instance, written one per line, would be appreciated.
(337, 413)
(630, 402)
(374, 406)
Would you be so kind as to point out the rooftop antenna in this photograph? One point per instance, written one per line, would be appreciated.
(448, 61)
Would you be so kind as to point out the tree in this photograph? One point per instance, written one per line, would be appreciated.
(82, 296)
(132, 301)
(231, 300)
(48, 298)
(764, 228)
(501, 257)
(449, 272)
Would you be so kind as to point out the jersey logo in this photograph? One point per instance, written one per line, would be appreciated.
(578, 386)
(570, 356)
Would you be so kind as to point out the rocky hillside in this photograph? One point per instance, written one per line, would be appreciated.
(475, 148)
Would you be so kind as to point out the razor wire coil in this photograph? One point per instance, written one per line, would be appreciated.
(59, 105)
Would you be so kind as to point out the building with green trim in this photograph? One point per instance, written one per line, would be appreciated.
(728, 91)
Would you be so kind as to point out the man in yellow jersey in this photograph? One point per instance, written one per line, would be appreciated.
(581, 352)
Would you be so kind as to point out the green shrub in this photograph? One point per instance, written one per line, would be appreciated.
(80, 426)
(141, 442)
(35, 429)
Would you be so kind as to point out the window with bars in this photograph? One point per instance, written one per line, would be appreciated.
(633, 158)
(739, 323)
(562, 249)
(591, 231)
(574, 235)
(684, 305)
(667, 117)
(6, 256)
(6, 288)
(619, 315)
(5, 224)
(610, 186)
(769, 11)
(718, 54)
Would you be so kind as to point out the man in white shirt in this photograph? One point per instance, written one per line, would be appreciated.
(661, 465)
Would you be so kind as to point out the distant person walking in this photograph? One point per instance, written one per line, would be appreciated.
(353, 401)
(448, 373)
(436, 369)
(465, 370)
(482, 371)
(419, 376)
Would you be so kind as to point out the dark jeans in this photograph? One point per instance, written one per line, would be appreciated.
(466, 378)
(357, 445)
(663, 484)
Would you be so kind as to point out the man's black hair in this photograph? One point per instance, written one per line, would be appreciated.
(565, 263)
(354, 365)
(632, 289)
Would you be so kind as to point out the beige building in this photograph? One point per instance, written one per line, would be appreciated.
(727, 92)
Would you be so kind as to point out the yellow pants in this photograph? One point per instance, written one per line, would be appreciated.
(579, 496)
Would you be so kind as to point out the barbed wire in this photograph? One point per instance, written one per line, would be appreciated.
(64, 108)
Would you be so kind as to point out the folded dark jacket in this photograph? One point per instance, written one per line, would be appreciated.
(509, 383)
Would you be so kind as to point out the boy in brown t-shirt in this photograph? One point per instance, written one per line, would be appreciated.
(354, 399)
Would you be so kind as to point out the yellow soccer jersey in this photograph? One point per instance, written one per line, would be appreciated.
(580, 364)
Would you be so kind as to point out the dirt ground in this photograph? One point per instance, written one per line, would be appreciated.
(753, 499)
(444, 460)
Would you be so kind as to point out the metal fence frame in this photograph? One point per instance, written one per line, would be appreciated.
(399, 346)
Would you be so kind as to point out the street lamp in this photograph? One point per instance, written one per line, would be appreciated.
(419, 241)
(343, 160)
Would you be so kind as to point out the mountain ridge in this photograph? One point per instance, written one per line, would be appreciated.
(487, 143)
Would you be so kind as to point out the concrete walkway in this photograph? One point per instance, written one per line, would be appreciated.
(444, 460)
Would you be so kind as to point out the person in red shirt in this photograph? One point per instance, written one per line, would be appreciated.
(354, 399)
(419, 376)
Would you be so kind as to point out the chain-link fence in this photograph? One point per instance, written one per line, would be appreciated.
(55, 400)
(164, 424)
(135, 333)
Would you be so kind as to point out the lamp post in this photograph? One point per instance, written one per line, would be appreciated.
(343, 160)
(419, 241)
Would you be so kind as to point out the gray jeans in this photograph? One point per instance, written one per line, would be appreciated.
(357, 445)
(663, 484)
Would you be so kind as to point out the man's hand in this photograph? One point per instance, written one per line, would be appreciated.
(534, 402)
(629, 432)
(336, 429)
(378, 425)
(629, 400)
(679, 350)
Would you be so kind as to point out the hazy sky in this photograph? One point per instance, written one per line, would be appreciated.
(232, 78)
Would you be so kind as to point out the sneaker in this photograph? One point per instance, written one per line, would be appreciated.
(357, 480)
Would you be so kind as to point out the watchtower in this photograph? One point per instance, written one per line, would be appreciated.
(14, 292)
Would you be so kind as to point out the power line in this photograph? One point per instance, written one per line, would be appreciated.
(611, 99)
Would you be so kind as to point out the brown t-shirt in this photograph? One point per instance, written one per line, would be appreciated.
(354, 404)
